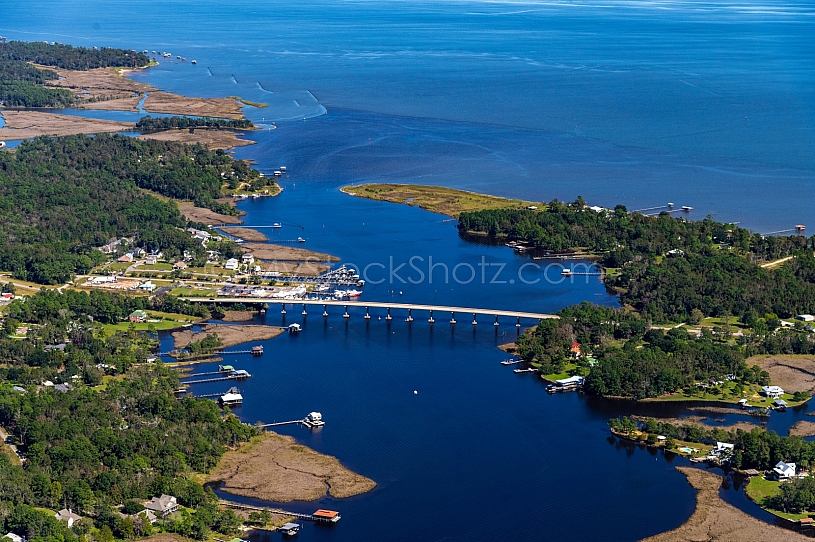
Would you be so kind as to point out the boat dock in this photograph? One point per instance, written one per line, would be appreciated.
(242, 376)
(254, 351)
(320, 515)
(314, 419)
(530, 370)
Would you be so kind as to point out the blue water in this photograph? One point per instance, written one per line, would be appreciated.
(708, 104)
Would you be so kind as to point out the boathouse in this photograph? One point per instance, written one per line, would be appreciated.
(289, 529)
(231, 399)
(326, 515)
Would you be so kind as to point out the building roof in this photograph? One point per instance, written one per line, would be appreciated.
(14, 537)
(571, 380)
(67, 515)
(326, 514)
(139, 313)
(772, 389)
(230, 397)
(162, 503)
(287, 526)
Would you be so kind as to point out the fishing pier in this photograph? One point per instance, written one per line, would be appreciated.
(321, 515)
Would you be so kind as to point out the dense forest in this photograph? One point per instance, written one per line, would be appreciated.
(61, 197)
(669, 266)
(634, 360)
(21, 83)
(71, 58)
(149, 124)
(93, 448)
(20, 86)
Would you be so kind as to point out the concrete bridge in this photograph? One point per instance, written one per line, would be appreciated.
(409, 307)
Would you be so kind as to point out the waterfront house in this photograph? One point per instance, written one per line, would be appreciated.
(784, 471)
(248, 259)
(231, 264)
(163, 506)
(138, 316)
(14, 537)
(723, 448)
(773, 392)
(66, 514)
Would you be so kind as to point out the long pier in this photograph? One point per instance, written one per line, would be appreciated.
(221, 379)
(409, 307)
(240, 506)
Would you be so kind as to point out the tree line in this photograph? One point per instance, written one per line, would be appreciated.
(669, 266)
(62, 197)
(149, 124)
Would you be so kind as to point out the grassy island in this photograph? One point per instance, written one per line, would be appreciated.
(436, 199)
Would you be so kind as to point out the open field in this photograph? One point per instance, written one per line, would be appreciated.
(247, 234)
(715, 520)
(173, 104)
(229, 335)
(437, 199)
(791, 372)
(289, 254)
(30, 124)
(205, 216)
(210, 138)
(275, 468)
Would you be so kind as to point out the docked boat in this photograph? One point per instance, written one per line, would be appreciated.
(353, 293)
(277, 225)
(314, 419)
(301, 240)
(566, 272)
(295, 328)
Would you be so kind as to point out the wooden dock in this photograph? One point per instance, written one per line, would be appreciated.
(220, 379)
(240, 506)
(511, 361)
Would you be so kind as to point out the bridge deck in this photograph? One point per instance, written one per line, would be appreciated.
(374, 304)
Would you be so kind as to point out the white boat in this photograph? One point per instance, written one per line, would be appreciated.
(195, 62)
(277, 225)
(301, 240)
(353, 293)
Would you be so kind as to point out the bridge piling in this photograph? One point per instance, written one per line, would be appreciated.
(325, 311)
(283, 308)
(388, 317)
(410, 316)
(430, 320)
(452, 318)
(519, 322)
(367, 315)
(346, 315)
(304, 310)
(475, 322)
(496, 321)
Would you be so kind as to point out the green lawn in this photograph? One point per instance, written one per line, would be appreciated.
(193, 292)
(569, 370)
(168, 321)
(156, 267)
(760, 488)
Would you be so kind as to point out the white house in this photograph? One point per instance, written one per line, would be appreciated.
(15, 537)
(231, 264)
(248, 259)
(784, 471)
(723, 448)
(67, 515)
(147, 286)
(773, 392)
(163, 506)
(805, 318)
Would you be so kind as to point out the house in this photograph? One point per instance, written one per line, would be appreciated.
(18, 389)
(179, 265)
(103, 280)
(15, 537)
(575, 349)
(63, 388)
(147, 286)
(144, 514)
(784, 471)
(138, 316)
(773, 392)
(676, 252)
(248, 259)
(67, 515)
(7, 296)
(138, 252)
(163, 506)
(231, 264)
(723, 448)
(151, 260)
(805, 318)
(127, 258)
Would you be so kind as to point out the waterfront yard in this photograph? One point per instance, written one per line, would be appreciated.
(761, 488)
(162, 321)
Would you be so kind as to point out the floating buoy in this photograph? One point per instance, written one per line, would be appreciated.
(415, 392)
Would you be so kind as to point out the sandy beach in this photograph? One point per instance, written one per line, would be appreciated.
(275, 468)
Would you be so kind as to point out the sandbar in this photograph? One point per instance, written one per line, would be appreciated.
(275, 468)
(238, 316)
(229, 335)
(803, 428)
(247, 234)
(716, 520)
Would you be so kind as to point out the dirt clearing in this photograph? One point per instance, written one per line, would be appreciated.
(275, 468)
(205, 216)
(716, 521)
